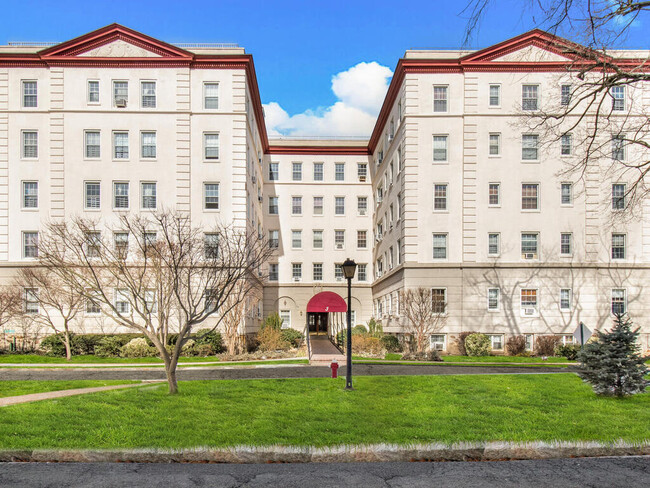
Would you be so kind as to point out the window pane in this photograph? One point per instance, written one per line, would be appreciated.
(211, 94)
(92, 144)
(439, 98)
(149, 195)
(440, 148)
(529, 148)
(211, 146)
(148, 144)
(30, 194)
(92, 195)
(121, 195)
(30, 94)
(439, 246)
(440, 197)
(495, 95)
(30, 144)
(121, 145)
(529, 97)
(529, 196)
(148, 94)
(211, 195)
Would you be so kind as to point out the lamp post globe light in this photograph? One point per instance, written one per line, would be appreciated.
(349, 267)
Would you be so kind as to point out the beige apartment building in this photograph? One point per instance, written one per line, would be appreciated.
(453, 191)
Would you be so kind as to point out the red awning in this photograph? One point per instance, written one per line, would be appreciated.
(327, 301)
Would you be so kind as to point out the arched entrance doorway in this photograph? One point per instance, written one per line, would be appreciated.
(319, 308)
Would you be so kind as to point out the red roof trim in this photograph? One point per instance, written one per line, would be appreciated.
(318, 150)
(326, 301)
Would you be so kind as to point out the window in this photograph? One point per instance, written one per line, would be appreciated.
(495, 95)
(493, 244)
(339, 205)
(211, 245)
(273, 272)
(317, 241)
(296, 271)
(92, 195)
(91, 139)
(318, 171)
(440, 148)
(339, 239)
(211, 146)
(31, 300)
(529, 97)
(362, 205)
(566, 144)
(120, 195)
(565, 299)
(566, 193)
(496, 341)
(618, 147)
(439, 98)
(618, 246)
(93, 91)
(339, 172)
(296, 171)
(362, 239)
(619, 305)
(274, 173)
(120, 93)
(317, 271)
(149, 238)
(30, 194)
(148, 94)
(30, 244)
(439, 300)
(399, 251)
(121, 243)
(566, 246)
(274, 239)
(318, 205)
(440, 197)
(493, 299)
(30, 95)
(211, 196)
(122, 304)
(529, 342)
(439, 246)
(495, 144)
(529, 245)
(150, 301)
(565, 95)
(273, 205)
(438, 342)
(210, 96)
(30, 144)
(148, 149)
(93, 244)
(285, 317)
(494, 194)
(338, 272)
(618, 196)
(296, 239)
(530, 196)
(92, 307)
(529, 301)
(362, 171)
(120, 145)
(149, 195)
(529, 147)
(296, 205)
(362, 272)
(618, 98)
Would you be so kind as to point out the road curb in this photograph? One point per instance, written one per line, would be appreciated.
(491, 451)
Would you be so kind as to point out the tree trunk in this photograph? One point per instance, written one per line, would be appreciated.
(170, 371)
(66, 341)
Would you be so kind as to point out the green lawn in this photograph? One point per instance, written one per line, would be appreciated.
(503, 359)
(390, 409)
(466, 363)
(89, 359)
(15, 388)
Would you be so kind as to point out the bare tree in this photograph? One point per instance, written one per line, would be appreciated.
(238, 305)
(11, 303)
(604, 111)
(156, 274)
(424, 312)
(59, 302)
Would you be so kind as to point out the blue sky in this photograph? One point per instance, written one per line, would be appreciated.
(298, 46)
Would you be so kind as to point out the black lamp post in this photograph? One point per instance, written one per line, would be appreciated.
(349, 268)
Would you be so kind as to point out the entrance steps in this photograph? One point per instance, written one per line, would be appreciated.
(323, 352)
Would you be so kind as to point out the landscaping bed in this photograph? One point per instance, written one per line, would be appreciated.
(318, 412)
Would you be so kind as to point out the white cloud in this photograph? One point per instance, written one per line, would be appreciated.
(360, 91)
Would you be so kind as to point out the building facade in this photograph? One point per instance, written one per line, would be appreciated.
(454, 190)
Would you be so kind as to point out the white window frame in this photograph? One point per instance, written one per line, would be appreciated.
(570, 194)
(89, 92)
(444, 89)
(618, 101)
(444, 198)
(285, 317)
(143, 196)
(525, 146)
(339, 239)
(570, 237)
(568, 299)
(98, 196)
(32, 197)
(147, 97)
(296, 204)
(206, 97)
(624, 301)
(524, 99)
(446, 236)
(497, 136)
(319, 171)
(33, 244)
(206, 136)
(296, 238)
(616, 199)
(566, 148)
(524, 253)
(23, 144)
(125, 155)
(438, 345)
(339, 171)
(442, 138)
(624, 237)
(321, 199)
(538, 200)
(339, 206)
(115, 195)
(498, 340)
(205, 196)
(498, 238)
(529, 306)
(498, 187)
(490, 299)
(148, 133)
(498, 96)
(296, 171)
(121, 296)
(87, 132)
(445, 303)
(24, 94)
(115, 95)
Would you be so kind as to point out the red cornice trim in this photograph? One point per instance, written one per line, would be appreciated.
(318, 150)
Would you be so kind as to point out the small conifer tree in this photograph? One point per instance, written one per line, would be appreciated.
(612, 363)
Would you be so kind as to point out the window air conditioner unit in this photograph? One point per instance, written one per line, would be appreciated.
(339, 246)
(529, 311)
(296, 279)
(339, 278)
(120, 102)
(362, 212)
(362, 178)
(529, 255)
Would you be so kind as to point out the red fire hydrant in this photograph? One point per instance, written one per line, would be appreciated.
(335, 368)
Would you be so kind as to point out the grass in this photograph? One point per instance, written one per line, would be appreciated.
(15, 388)
(390, 409)
(90, 359)
(160, 365)
(361, 360)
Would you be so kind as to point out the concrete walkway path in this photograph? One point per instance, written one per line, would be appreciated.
(323, 351)
(48, 395)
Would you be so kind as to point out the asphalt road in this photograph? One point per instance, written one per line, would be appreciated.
(227, 373)
(629, 472)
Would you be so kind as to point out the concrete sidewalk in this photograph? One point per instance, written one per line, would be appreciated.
(48, 395)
